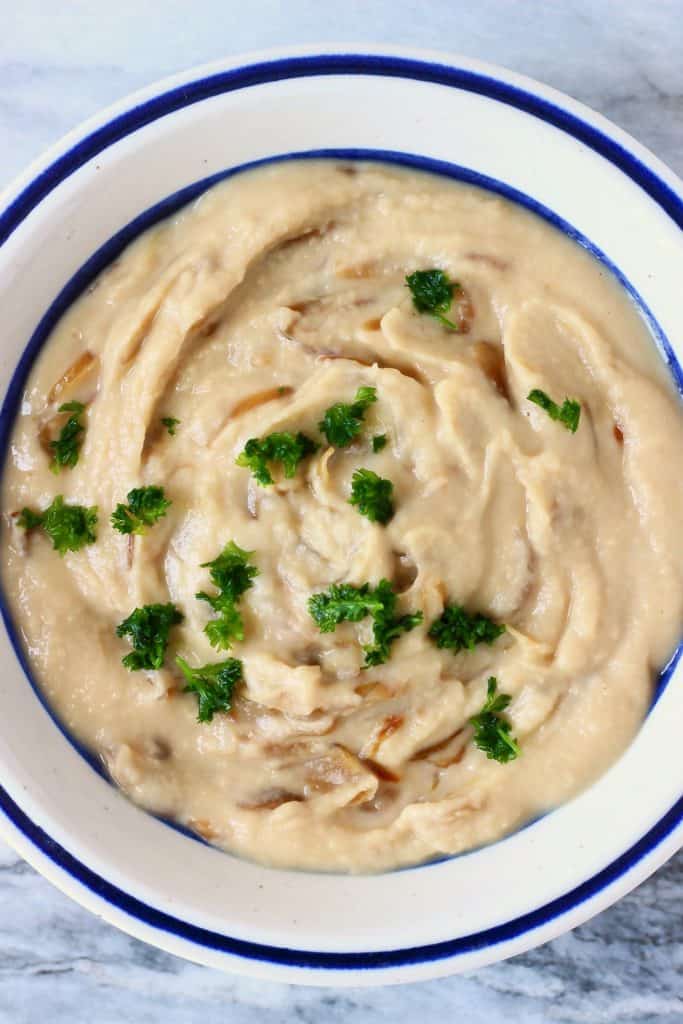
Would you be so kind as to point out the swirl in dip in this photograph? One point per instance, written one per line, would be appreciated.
(279, 294)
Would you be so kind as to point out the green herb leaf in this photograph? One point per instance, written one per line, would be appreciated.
(170, 422)
(342, 423)
(147, 628)
(222, 632)
(68, 445)
(568, 414)
(346, 603)
(232, 573)
(379, 442)
(30, 520)
(284, 447)
(492, 730)
(432, 293)
(342, 603)
(458, 630)
(387, 626)
(145, 506)
(213, 684)
(372, 494)
(69, 527)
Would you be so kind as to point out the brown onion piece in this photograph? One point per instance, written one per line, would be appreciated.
(304, 236)
(335, 768)
(77, 373)
(488, 259)
(270, 800)
(389, 726)
(259, 398)
(375, 324)
(375, 691)
(491, 361)
(427, 753)
(158, 749)
(462, 310)
(203, 827)
(358, 271)
(405, 571)
(408, 371)
(383, 773)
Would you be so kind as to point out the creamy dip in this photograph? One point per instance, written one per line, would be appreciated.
(275, 295)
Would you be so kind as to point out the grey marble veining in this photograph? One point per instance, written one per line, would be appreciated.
(59, 63)
(624, 966)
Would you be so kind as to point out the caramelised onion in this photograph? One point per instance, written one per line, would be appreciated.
(260, 398)
(81, 373)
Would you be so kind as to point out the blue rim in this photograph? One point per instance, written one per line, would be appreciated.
(174, 99)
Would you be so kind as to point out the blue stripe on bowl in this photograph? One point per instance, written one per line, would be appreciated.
(193, 92)
(338, 961)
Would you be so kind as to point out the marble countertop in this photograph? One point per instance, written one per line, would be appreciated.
(59, 63)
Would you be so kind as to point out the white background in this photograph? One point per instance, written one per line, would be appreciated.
(61, 61)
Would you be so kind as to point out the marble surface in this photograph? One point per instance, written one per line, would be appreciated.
(60, 62)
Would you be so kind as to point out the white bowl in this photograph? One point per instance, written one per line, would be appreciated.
(59, 225)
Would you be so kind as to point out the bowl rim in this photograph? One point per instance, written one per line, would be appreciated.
(27, 192)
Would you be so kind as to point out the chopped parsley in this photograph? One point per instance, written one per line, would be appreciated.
(284, 447)
(30, 520)
(67, 446)
(387, 626)
(342, 423)
(492, 730)
(458, 630)
(432, 292)
(346, 603)
(379, 442)
(232, 574)
(170, 422)
(145, 506)
(372, 495)
(342, 603)
(147, 628)
(226, 628)
(213, 684)
(69, 527)
(567, 414)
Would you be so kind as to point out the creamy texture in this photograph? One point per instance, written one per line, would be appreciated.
(292, 277)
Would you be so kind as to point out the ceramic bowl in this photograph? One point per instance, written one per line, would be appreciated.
(65, 219)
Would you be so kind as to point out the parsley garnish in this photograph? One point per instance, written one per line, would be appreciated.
(432, 293)
(492, 730)
(342, 423)
(69, 527)
(170, 422)
(567, 414)
(387, 626)
(30, 520)
(342, 603)
(459, 630)
(346, 603)
(372, 494)
(284, 447)
(232, 575)
(68, 445)
(379, 442)
(145, 506)
(147, 628)
(213, 684)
